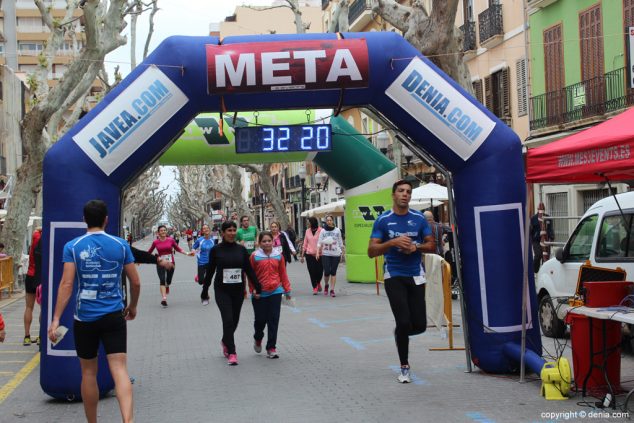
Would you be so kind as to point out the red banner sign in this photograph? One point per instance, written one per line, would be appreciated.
(284, 65)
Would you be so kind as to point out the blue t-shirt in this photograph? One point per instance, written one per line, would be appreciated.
(99, 259)
(205, 247)
(391, 225)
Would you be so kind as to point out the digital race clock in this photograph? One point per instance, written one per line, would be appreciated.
(282, 139)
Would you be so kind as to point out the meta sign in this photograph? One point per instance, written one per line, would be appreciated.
(282, 66)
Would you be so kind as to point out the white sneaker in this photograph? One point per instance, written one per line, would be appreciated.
(205, 302)
(404, 377)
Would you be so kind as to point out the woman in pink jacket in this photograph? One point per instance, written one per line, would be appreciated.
(270, 268)
(165, 246)
(309, 251)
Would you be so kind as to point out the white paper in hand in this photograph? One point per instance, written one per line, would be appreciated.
(61, 332)
(287, 302)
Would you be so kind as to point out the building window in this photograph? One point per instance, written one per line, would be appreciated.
(591, 46)
(477, 90)
(522, 87)
(497, 94)
(468, 10)
(58, 71)
(628, 12)
(67, 47)
(30, 25)
(30, 49)
(28, 68)
(557, 206)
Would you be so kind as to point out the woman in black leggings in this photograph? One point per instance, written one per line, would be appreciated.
(309, 251)
(230, 262)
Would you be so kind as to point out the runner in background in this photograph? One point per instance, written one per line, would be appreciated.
(32, 281)
(202, 247)
(247, 235)
(230, 261)
(165, 246)
(309, 251)
(330, 248)
(280, 239)
(190, 238)
(270, 268)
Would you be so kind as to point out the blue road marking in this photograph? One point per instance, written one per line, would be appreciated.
(415, 379)
(360, 345)
(327, 323)
(478, 417)
(309, 308)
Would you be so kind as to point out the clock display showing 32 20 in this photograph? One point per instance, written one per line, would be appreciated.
(283, 139)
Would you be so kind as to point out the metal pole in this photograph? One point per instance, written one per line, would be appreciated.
(524, 289)
(463, 308)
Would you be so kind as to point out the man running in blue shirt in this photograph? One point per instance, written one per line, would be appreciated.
(96, 261)
(402, 235)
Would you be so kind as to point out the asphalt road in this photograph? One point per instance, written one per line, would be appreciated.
(337, 363)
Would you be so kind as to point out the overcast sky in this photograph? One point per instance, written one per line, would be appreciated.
(176, 17)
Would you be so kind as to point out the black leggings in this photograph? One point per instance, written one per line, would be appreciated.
(330, 264)
(202, 272)
(407, 301)
(267, 313)
(315, 270)
(165, 276)
(229, 303)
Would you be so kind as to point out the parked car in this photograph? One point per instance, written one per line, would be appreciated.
(603, 236)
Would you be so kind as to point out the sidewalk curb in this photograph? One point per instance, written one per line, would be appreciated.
(15, 297)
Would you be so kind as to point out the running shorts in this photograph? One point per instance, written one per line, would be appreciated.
(109, 329)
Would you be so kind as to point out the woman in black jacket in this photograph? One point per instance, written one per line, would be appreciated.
(229, 262)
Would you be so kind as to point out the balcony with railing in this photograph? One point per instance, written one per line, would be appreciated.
(359, 15)
(469, 37)
(586, 99)
(491, 26)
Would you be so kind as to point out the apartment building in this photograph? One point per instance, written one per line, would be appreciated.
(23, 35)
(579, 78)
(495, 51)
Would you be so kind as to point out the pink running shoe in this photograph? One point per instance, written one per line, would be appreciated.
(272, 353)
(232, 360)
(225, 351)
(315, 291)
(332, 293)
(318, 287)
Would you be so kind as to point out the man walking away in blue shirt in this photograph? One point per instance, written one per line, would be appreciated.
(402, 235)
(96, 261)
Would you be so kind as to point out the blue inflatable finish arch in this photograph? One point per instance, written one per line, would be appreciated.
(185, 76)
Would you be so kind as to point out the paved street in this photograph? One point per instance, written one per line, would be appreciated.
(337, 362)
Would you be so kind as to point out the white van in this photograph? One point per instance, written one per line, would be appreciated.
(604, 236)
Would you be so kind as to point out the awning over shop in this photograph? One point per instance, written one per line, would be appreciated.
(335, 209)
(604, 150)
